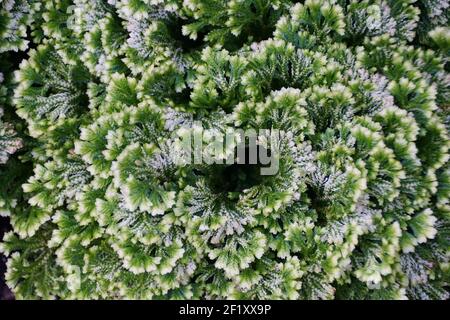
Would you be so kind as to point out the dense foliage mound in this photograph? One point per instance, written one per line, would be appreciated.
(359, 208)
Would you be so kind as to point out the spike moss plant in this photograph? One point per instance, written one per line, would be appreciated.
(97, 94)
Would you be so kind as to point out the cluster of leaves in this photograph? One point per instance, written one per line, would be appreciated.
(359, 208)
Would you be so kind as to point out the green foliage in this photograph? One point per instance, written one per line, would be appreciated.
(92, 123)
